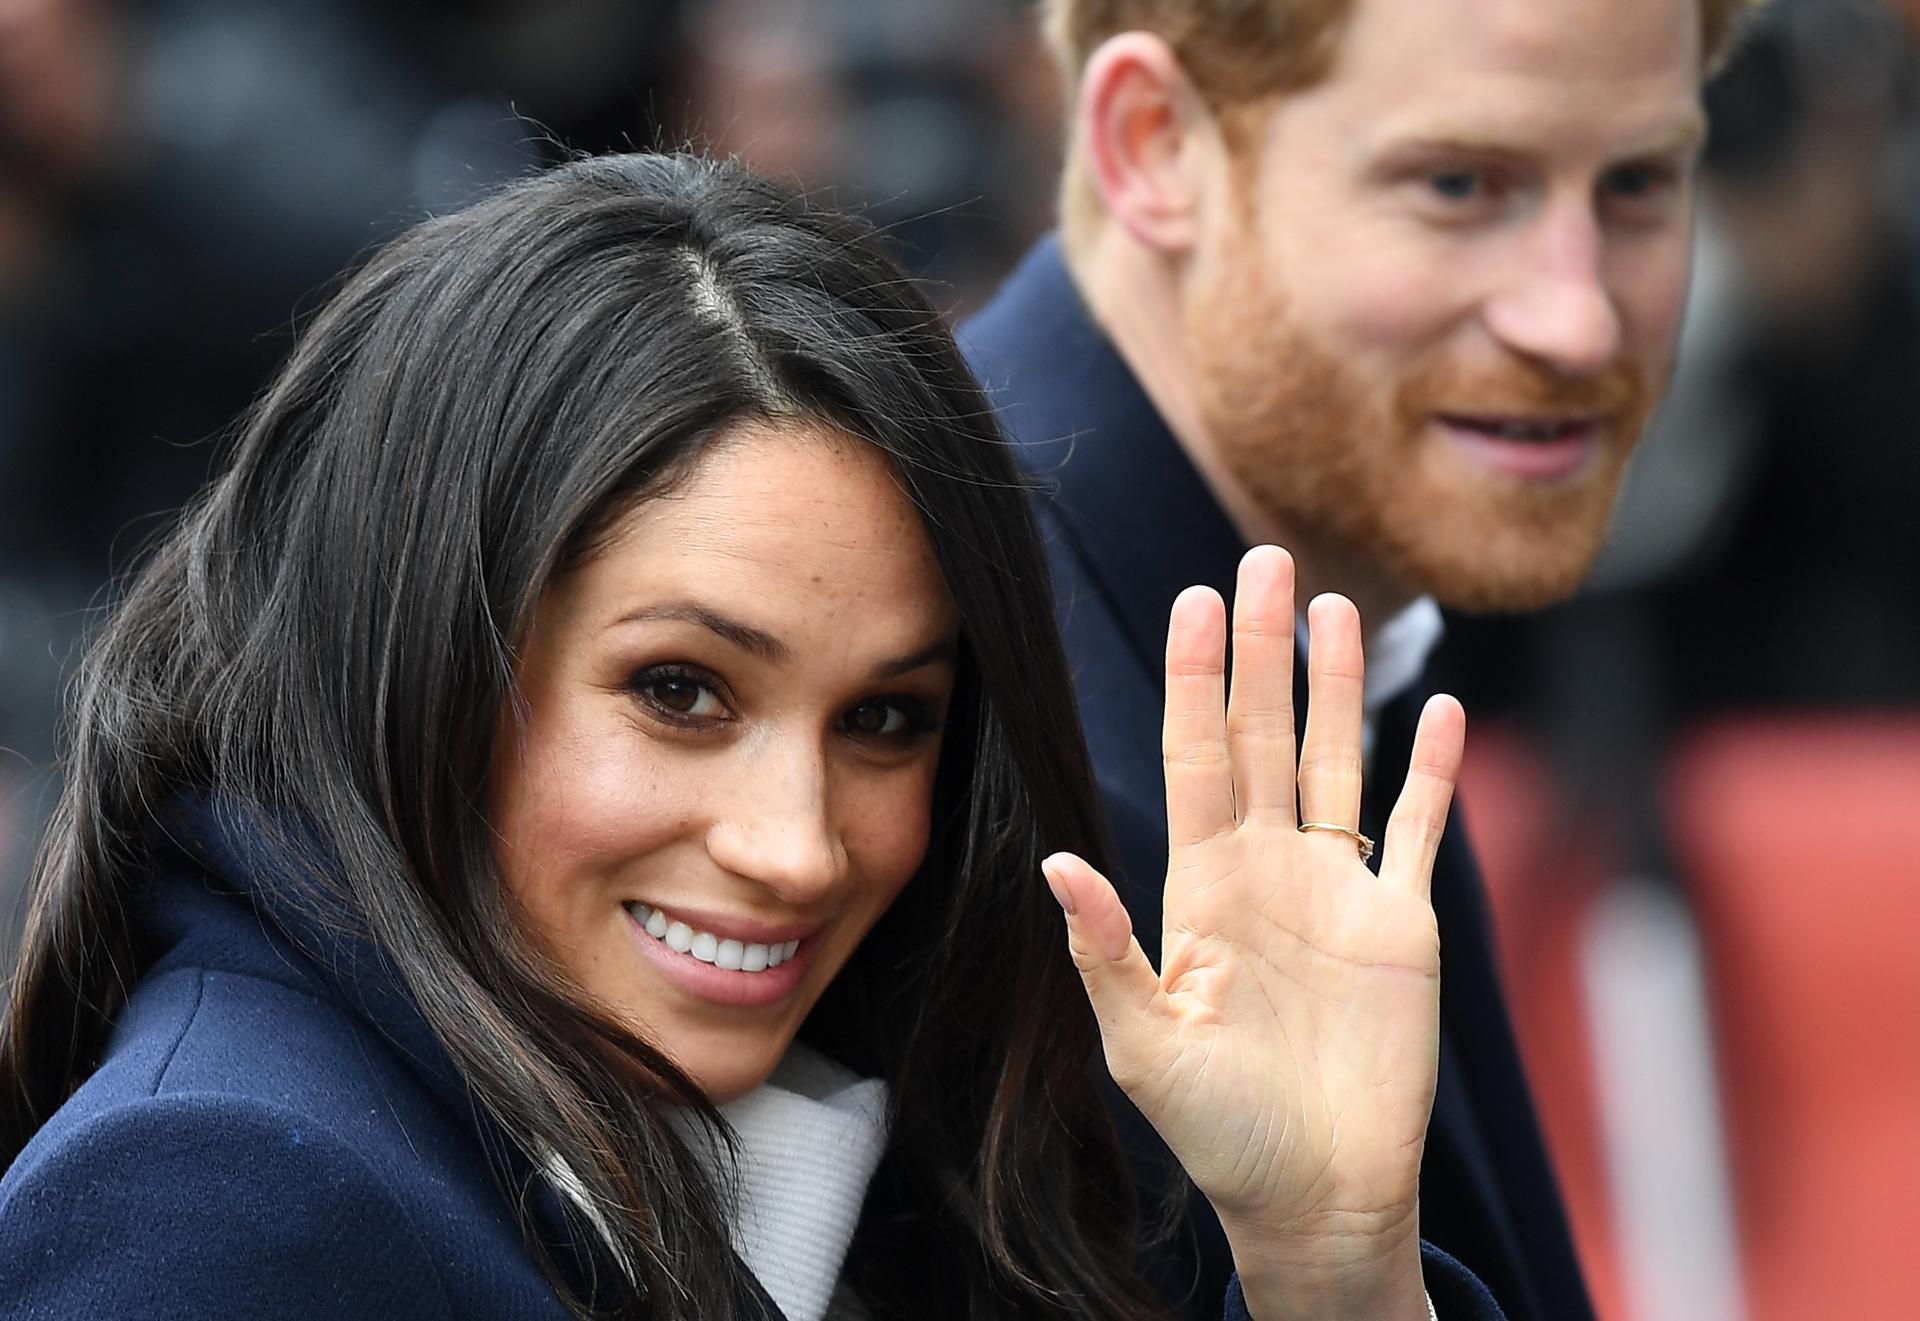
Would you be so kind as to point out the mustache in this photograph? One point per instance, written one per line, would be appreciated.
(1524, 388)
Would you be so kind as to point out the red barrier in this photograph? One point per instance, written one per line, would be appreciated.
(1542, 871)
(1800, 841)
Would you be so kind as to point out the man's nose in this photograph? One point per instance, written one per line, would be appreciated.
(1555, 306)
(778, 828)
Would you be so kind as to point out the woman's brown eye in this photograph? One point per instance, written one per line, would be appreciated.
(681, 695)
(876, 719)
(676, 694)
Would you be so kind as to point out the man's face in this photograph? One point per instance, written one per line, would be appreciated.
(1428, 331)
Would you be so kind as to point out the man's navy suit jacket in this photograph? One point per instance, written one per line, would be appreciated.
(1129, 524)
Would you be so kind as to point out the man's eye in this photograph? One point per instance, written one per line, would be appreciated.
(1456, 185)
(1637, 181)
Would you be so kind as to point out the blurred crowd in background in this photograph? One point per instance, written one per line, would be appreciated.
(1694, 788)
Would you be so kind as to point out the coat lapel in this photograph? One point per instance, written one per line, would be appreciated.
(238, 859)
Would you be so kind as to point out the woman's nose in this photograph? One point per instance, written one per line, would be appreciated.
(778, 829)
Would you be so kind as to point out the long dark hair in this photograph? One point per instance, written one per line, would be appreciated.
(330, 634)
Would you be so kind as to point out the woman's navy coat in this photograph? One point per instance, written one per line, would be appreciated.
(274, 1132)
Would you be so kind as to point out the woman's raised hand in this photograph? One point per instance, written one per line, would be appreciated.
(1287, 1048)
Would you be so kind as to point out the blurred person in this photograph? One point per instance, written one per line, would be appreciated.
(584, 75)
(1397, 285)
(634, 905)
(156, 235)
(56, 94)
(196, 170)
(933, 118)
(61, 96)
(1804, 597)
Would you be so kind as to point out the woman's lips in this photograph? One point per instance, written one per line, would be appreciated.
(716, 965)
(1530, 448)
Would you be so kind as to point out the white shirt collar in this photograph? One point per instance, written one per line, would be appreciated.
(810, 1139)
(1398, 652)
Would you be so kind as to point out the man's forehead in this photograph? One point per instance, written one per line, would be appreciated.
(1513, 77)
(1577, 39)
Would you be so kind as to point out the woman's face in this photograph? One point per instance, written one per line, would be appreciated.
(725, 775)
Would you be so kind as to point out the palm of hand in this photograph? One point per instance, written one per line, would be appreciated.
(1300, 1022)
(1287, 1049)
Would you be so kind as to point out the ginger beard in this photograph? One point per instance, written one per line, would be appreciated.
(1356, 472)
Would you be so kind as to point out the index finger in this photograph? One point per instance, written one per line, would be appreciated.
(1193, 739)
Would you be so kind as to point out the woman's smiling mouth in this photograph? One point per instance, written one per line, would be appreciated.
(715, 966)
(721, 951)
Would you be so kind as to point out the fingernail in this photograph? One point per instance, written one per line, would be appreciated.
(1049, 870)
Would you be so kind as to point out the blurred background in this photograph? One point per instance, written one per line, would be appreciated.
(1695, 789)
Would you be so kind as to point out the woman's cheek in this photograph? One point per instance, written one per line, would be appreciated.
(597, 799)
(889, 830)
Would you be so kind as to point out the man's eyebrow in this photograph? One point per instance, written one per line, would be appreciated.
(749, 639)
(1684, 135)
(1452, 144)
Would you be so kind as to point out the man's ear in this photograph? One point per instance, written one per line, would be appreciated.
(1150, 139)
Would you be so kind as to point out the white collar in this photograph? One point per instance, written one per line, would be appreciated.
(811, 1137)
(1398, 652)
(809, 1141)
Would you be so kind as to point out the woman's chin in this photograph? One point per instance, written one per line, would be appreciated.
(727, 1068)
(732, 1084)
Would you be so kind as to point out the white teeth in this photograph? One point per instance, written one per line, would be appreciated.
(729, 953)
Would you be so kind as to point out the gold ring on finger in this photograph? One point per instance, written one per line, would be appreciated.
(1365, 844)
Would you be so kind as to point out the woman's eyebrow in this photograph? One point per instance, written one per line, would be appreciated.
(760, 643)
(944, 650)
(755, 641)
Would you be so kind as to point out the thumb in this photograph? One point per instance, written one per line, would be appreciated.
(1121, 984)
